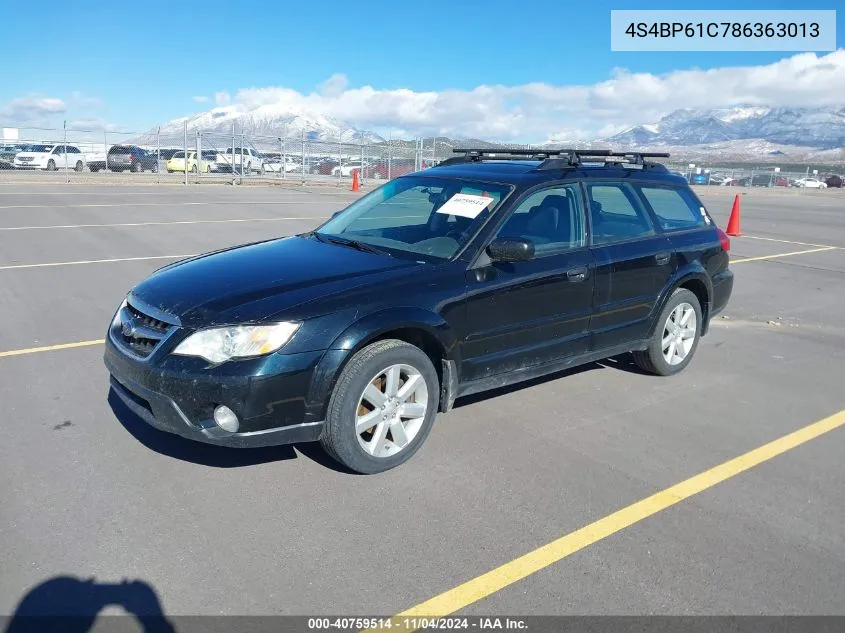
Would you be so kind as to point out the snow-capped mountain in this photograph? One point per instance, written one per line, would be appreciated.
(820, 128)
(738, 133)
(271, 121)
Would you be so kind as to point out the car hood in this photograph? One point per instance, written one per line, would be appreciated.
(257, 282)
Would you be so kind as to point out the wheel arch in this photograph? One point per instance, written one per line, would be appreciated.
(694, 279)
(416, 326)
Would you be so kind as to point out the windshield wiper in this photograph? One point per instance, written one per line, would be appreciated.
(357, 245)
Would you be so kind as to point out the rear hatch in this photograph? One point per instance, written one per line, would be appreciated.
(120, 156)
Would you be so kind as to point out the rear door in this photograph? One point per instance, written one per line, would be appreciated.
(633, 264)
(524, 314)
(60, 156)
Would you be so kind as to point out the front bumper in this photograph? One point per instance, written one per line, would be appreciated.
(178, 394)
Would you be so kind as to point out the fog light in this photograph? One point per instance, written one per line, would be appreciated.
(226, 419)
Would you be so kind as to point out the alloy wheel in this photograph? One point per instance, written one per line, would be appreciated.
(679, 334)
(391, 410)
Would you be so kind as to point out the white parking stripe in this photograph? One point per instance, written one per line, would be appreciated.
(92, 261)
(153, 204)
(92, 226)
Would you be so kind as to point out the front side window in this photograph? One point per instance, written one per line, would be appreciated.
(615, 213)
(552, 219)
(411, 216)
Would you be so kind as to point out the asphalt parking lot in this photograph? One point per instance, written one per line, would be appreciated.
(88, 493)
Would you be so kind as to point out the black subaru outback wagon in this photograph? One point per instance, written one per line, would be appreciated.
(481, 272)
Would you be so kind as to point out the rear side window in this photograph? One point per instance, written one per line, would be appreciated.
(616, 214)
(675, 209)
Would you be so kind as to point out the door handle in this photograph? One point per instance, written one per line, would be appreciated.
(577, 274)
(663, 258)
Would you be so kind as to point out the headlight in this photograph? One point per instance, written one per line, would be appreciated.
(116, 319)
(218, 345)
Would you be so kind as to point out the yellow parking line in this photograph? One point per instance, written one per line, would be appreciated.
(486, 584)
(772, 239)
(92, 261)
(92, 226)
(50, 348)
(762, 257)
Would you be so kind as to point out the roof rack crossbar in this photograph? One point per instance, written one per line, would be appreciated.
(552, 158)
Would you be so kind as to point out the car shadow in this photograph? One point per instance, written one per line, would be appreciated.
(214, 456)
(68, 604)
(622, 362)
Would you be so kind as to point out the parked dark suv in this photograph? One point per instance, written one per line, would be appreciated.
(469, 276)
(127, 157)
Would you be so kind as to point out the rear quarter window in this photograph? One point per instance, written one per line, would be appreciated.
(675, 209)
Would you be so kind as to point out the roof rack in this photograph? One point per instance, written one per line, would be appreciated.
(552, 158)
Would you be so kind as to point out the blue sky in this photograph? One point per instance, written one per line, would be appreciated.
(133, 66)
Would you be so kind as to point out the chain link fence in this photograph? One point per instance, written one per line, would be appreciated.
(192, 156)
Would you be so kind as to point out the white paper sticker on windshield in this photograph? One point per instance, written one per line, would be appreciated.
(466, 205)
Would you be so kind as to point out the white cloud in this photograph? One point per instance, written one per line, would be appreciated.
(334, 85)
(538, 111)
(31, 109)
(200, 99)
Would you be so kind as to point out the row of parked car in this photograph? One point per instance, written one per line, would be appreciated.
(247, 160)
(767, 180)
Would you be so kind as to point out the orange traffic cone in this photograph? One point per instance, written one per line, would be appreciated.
(356, 186)
(733, 222)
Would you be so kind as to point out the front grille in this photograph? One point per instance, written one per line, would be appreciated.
(139, 332)
(147, 320)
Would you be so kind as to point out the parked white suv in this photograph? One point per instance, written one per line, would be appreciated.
(50, 157)
(246, 159)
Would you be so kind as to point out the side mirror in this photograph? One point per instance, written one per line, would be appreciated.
(510, 249)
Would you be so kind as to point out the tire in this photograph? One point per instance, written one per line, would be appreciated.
(154, 168)
(136, 168)
(194, 169)
(367, 370)
(654, 360)
(79, 166)
(51, 165)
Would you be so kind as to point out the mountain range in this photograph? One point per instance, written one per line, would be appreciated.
(742, 132)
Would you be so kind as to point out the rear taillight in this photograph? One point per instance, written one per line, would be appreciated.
(724, 239)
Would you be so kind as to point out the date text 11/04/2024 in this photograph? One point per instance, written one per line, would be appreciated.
(417, 623)
(723, 29)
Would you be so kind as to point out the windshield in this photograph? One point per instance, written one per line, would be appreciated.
(433, 217)
(39, 148)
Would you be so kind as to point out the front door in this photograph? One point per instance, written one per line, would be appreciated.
(523, 314)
